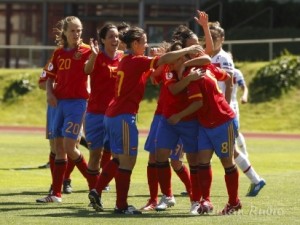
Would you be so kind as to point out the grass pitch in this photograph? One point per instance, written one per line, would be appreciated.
(277, 161)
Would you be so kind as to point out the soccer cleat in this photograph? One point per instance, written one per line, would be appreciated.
(95, 201)
(151, 204)
(49, 199)
(165, 202)
(254, 189)
(194, 208)
(131, 210)
(205, 207)
(67, 188)
(230, 209)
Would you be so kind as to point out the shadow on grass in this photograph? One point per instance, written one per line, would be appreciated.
(81, 213)
(24, 193)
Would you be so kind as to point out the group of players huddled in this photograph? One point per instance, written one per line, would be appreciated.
(94, 91)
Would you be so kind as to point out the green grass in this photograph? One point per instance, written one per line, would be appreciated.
(278, 115)
(21, 183)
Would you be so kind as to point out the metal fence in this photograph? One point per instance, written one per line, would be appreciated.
(31, 56)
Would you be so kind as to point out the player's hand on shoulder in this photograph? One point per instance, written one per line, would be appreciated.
(195, 74)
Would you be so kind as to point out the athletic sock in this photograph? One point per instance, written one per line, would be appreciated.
(196, 190)
(122, 179)
(107, 174)
(184, 176)
(94, 176)
(244, 164)
(232, 184)
(205, 179)
(152, 181)
(70, 168)
(164, 175)
(58, 176)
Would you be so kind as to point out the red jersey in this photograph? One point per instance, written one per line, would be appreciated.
(215, 109)
(162, 93)
(132, 74)
(67, 68)
(174, 104)
(102, 82)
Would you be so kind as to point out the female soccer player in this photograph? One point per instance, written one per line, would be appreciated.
(67, 188)
(223, 60)
(69, 95)
(217, 132)
(102, 84)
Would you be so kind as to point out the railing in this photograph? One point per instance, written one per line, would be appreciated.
(270, 42)
(29, 60)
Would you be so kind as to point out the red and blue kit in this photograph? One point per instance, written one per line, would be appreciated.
(218, 125)
(102, 85)
(215, 110)
(130, 84)
(67, 68)
(120, 117)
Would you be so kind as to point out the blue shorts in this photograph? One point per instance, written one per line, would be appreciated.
(68, 118)
(168, 135)
(95, 131)
(221, 139)
(50, 117)
(150, 144)
(122, 134)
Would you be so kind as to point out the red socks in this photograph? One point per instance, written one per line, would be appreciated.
(152, 181)
(164, 177)
(205, 179)
(232, 184)
(122, 179)
(107, 174)
(184, 176)
(58, 176)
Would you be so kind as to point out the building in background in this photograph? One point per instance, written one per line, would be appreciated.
(30, 22)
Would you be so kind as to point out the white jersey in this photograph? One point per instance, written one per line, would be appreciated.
(224, 61)
(238, 81)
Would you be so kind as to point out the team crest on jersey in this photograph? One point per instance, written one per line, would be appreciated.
(43, 75)
(77, 55)
(169, 76)
(50, 66)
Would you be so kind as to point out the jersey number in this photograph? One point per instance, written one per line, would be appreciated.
(224, 148)
(64, 64)
(73, 128)
(120, 81)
